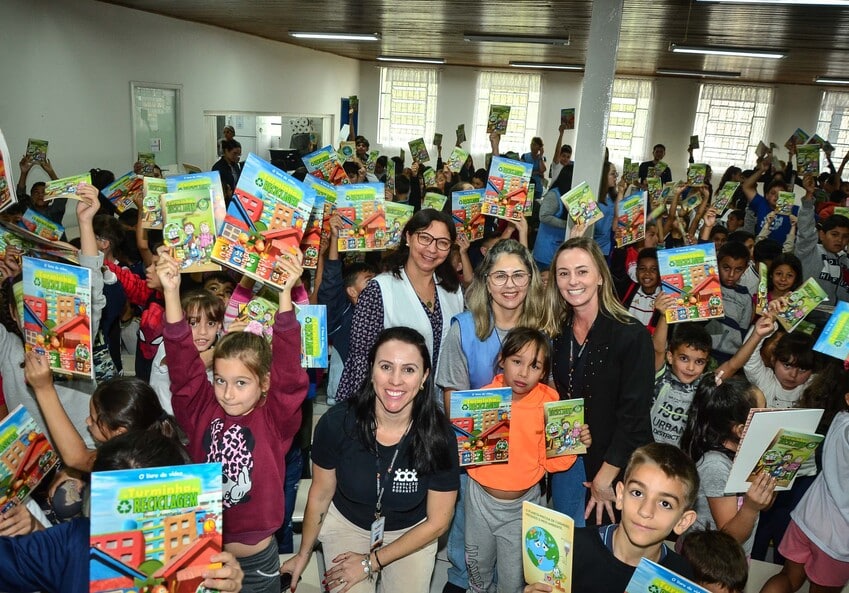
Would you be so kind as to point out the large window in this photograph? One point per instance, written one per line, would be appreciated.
(730, 121)
(833, 122)
(407, 105)
(521, 92)
(629, 119)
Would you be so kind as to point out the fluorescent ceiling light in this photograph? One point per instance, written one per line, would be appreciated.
(827, 80)
(698, 73)
(742, 52)
(335, 36)
(413, 60)
(784, 2)
(515, 39)
(547, 65)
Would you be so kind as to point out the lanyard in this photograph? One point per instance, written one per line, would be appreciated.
(381, 487)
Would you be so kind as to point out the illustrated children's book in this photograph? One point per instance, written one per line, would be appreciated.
(567, 118)
(37, 150)
(437, 139)
(481, 419)
(26, 455)
(631, 224)
(689, 274)
(258, 314)
(690, 200)
(324, 163)
(461, 133)
(506, 194)
(785, 455)
(354, 102)
(547, 555)
(189, 229)
(457, 159)
(563, 420)
(434, 200)
(8, 195)
(808, 159)
(694, 141)
(155, 529)
(311, 242)
(826, 146)
(760, 433)
(581, 204)
(429, 176)
(655, 189)
(798, 138)
(327, 194)
(189, 168)
(371, 160)
(801, 301)
(123, 191)
(360, 205)
(314, 350)
(66, 187)
(418, 151)
(784, 203)
(347, 150)
(31, 244)
(210, 180)
(151, 213)
(499, 115)
(657, 170)
(631, 171)
(696, 174)
(147, 161)
(834, 339)
(397, 216)
(763, 285)
(466, 210)
(650, 577)
(724, 196)
(57, 314)
(41, 225)
(267, 216)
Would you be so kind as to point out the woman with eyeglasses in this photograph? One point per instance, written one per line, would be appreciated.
(506, 292)
(421, 290)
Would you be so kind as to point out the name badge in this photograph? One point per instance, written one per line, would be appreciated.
(377, 532)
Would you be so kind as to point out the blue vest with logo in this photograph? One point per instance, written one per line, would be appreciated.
(480, 356)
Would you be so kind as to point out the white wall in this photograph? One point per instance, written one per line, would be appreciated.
(67, 69)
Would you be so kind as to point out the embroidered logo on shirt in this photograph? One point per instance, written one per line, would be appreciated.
(405, 481)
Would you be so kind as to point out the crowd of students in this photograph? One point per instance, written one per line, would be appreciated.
(526, 307)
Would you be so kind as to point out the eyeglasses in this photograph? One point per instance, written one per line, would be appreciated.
(500, 278)
(425, 239)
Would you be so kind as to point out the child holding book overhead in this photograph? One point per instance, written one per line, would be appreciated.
(494, 502)
(714, 428)
(247, 420)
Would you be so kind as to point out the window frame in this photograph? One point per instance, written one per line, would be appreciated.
(392, 131)
(638, 127)
(523, 124)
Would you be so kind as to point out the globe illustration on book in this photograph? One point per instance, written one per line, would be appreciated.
(542, 548)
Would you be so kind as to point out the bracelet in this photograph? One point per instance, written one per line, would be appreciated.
(367, 568)
(377, 558)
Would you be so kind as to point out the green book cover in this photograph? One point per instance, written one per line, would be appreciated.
(314, 347)
(631, 172)
(691, 201)
(499, 115)
(631, 224)
(655, 189)
(41, 225)
(808, 159)
(696, 174)
(457, 159)
(147, 160)
(67, 187)
(429, 177)
(151, 214)
(418, 151)
(189, 229)
(801, 302)
(763, 276)
(785, 455)
(563, 420)
(433, 200)
(353, 102)
(724, 196)
(397, 215)
(799, 137)
(567, 118)
(37, 150)
(581, 204)
(784, 203)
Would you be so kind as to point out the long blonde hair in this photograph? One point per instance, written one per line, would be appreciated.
(479, 300)
(559, 312)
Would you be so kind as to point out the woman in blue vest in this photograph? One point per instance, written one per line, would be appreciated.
(506, 292)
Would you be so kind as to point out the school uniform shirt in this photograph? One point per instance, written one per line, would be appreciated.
(53, 561)
(337, 446)
(671, 406)
(642, 305)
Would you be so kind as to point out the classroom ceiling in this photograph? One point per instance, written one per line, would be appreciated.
(815, 37)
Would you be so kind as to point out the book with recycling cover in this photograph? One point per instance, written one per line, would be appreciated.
(631, 171)
(324, 163)
(418, 150)
(429, 176)
(313, 322)
(784, 203)
(799, 137)
(40, 225)
(690, 275)
(547, 538)
(834, 339)
(210, 180)
(631, 223)
(724, 196)
(783, 457)
(466, 211)
(27, 457)
(327, 193)
(360, 206)
(147, 161)
(57, 314)
(123, 191)
(800, 303)
(189, 229)
(152, 190)
(581, 204)
(808, 159)
(434, 200)
(37, 150)
(506, 194)
(655, 189)
(650, 577)
(258, 314)
(481, 422)
(696, 174)
(563, 421)
(397, 216)
(66, 187)
(155, 529)
(499, 115)
(266, 218)
(567, 118)
(311, 241)
(457, 159)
